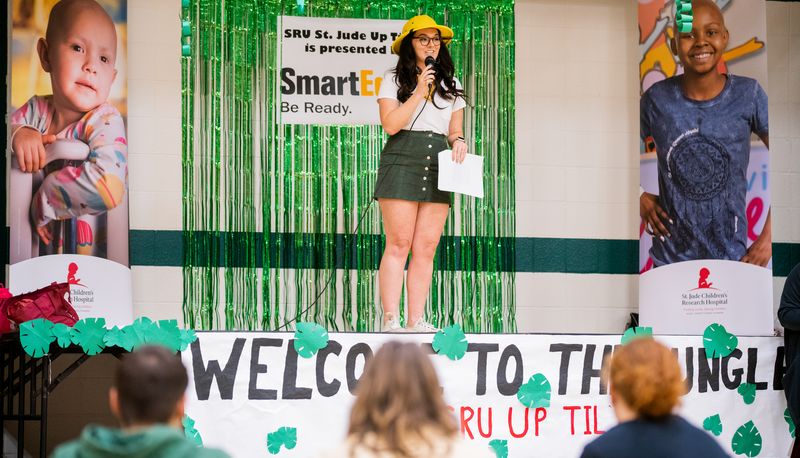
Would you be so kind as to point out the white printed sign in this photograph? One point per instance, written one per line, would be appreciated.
(99, 288)
(246, 385)
(685, 297)
(331, 68)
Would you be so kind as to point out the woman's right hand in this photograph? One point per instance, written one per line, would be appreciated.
(654, 217)
(425, 80)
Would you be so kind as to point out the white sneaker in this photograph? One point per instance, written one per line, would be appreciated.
(392, 324)
(423, 326)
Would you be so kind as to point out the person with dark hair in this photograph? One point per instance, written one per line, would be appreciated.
(422, 109)
(789, 316)
(148, 400)
(399, 411)
(645, 385)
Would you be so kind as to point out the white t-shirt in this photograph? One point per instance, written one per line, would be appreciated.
(432, 119)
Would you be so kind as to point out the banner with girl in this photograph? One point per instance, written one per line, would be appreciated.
(705, 246)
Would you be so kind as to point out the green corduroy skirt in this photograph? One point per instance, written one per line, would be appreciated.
(409, 167)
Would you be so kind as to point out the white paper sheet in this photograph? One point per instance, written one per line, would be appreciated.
(465, 178)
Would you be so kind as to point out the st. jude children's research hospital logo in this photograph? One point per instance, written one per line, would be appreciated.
(705, 298)
(80, 294)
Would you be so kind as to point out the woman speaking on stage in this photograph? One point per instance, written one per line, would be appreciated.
(422, 109)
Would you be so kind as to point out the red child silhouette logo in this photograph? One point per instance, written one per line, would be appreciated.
(703, 282)
(73, 269)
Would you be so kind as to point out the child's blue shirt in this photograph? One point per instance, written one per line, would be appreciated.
(703, 149)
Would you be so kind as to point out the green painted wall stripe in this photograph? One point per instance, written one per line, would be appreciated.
(533, 254)
(784, 257)
(156, 248)
(583, 256)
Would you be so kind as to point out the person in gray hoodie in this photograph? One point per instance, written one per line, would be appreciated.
(148, 400)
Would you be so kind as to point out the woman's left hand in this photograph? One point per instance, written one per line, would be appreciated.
(459, 151)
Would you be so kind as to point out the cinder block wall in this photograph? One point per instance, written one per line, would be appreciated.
(578, 146)
(577, 164)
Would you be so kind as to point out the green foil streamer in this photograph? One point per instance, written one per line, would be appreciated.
(270, 211)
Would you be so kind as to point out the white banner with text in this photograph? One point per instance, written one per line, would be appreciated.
(246, 387)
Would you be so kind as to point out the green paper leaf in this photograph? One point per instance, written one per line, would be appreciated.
(191, 432)
(635, 333)
(713, 424)
(718, 342)
(309, 339)
(89, 334)
(451, 342)
(747, 440)
(285, 436)
(748, 392)
(142, 331)
(187, 337)
(500, 447)
(166, 334)
(535, 393)
(36, 336)
(122, 338)
(789, 421)
(63, 334)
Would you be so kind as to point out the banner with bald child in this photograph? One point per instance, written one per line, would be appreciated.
(68, 157)
(705, 231)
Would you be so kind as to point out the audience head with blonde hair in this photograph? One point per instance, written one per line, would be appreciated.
(645, 380)
(399, 403)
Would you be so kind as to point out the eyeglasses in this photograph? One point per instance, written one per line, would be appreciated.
(424, 40)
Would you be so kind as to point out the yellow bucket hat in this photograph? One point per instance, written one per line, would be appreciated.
(420, 22)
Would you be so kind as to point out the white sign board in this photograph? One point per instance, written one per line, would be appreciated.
(685, 297)
(246, 385)
(331, 68)
(99, 288)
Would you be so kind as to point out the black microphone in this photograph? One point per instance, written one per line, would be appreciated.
(430, 61)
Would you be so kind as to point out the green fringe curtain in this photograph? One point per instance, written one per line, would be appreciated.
(269, 211)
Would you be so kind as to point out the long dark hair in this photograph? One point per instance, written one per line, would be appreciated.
(406, 72)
